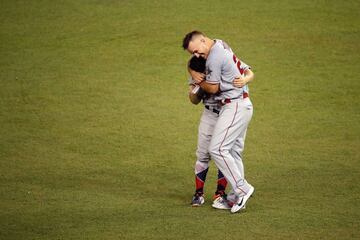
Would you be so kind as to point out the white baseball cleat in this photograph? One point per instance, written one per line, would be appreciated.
(221, 203)
(240, 203)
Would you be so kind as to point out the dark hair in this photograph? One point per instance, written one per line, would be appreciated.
(188, 37)
(197, 64)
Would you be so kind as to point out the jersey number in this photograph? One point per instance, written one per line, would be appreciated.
(238, 64)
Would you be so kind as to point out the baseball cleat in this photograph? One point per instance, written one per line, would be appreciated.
(240, 203)
(197, 200)
(221, 202)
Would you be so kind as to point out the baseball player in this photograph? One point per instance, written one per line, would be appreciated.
(222, 67)
(207, 123)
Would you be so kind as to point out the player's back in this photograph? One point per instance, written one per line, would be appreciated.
(221, 67)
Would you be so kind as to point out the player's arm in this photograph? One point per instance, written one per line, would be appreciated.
(242, 81)
(196, 94)
(197, 76)
(214, 73)
(211, 83)
(211, 88)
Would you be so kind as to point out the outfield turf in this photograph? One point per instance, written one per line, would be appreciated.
(98, 138)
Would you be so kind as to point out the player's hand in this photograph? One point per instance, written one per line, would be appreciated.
(240, 82)
(197, 76)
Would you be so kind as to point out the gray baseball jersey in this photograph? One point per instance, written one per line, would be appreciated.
(222, 67)
(230, 68)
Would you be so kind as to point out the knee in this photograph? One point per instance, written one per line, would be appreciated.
(214, 151)
(217, 151)
(203, 157)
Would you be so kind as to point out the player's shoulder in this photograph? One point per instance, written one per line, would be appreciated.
(218, 46)
(222, 48)
(216, 53)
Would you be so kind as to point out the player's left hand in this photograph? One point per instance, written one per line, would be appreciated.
(240, 82)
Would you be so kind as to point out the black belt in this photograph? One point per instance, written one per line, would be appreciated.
(212, 109)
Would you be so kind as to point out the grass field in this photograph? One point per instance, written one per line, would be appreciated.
(98, 138)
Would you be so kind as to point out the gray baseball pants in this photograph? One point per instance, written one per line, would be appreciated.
(207, 124)
(227, 142)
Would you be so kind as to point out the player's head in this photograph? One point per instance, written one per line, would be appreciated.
(197, 64)
(195, 43)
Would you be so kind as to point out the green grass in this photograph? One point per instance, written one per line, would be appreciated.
(97, 135)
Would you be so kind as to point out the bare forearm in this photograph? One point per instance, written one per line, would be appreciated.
(242, 81)
(195, 96)
(249, 76)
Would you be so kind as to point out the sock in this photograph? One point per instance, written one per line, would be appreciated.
(221, 184)
(200, 181)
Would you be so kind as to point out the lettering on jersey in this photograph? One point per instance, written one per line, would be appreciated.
(238, 64)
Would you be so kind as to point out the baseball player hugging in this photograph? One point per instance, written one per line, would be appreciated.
(206, 127)
(226, 92)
